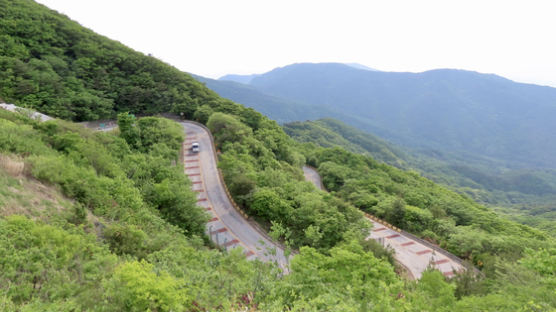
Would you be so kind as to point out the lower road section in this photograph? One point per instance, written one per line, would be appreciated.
(227, 227)
(416, 255)
(413, 254)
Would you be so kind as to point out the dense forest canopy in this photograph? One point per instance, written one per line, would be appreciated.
(62, 69)
(120, 229)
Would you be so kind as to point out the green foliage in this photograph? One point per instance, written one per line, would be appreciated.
(379, 251)
(125, 240)
(202, 114)
(133, 204)
(261, 169)
(18, 139)
(226, 128)
(177, 204)
(211, 280)
(417, 205)
(102, 173)
(267, 204)
(136, 204)
(515, 288)
(128, 129)
(396, 213)
(54, 65)
(348, 279)
(135, 286)
(42, 261)
(431, 293)
(155, 131)
(78, 215)
(542, 261)
(328, 132)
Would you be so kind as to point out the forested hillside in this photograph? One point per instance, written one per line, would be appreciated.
(120, 230)
(328, 132)
(523, 195)
(54, 65)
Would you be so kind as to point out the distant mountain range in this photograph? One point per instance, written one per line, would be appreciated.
(452, 110)
(246, 79)
(275, 107)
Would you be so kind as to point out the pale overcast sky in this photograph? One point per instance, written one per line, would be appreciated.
(514, 39)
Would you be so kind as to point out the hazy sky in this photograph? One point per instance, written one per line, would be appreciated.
(514, 39)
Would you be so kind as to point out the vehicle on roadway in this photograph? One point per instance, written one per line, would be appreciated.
(195, 147)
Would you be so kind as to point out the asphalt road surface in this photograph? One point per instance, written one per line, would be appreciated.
(413, 254)
(313, 176)
(227, 228)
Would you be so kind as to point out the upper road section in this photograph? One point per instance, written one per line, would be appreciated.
(25, 111)
(228, 227)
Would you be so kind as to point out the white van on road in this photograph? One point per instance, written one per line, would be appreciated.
(195, 147)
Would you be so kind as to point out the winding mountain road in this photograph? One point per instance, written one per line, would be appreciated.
(413, 253)
(228, 228)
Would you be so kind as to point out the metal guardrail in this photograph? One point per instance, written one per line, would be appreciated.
(432, 246)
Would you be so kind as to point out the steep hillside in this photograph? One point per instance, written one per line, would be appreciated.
(453, 110)
(57, 67)
(329, 132)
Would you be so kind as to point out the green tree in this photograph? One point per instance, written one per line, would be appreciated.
(136, 286)
(396, 214)
(202, 114)
(266, 203)
(129, 130)
(227, 128)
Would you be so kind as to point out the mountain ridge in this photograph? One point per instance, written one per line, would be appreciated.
(448, 109)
